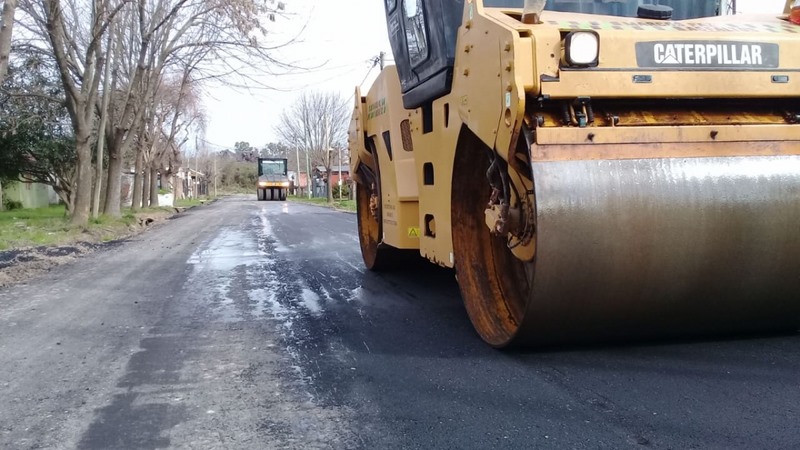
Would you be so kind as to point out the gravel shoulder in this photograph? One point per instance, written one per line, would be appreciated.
(25, 263)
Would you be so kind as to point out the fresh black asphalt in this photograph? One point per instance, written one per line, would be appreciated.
(254, 325)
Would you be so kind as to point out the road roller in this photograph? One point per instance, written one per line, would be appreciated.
(593, 170)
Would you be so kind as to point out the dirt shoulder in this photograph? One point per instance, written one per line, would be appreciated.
(21, 263)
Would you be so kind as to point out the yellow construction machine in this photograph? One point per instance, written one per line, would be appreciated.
(592, 169)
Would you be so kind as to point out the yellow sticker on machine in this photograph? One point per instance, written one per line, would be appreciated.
(413, 232)
(377, 109)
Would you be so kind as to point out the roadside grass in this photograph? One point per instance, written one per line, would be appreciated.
(24, 227)
(189, 202)
(347, 205)
(235, 190)
(50, 226)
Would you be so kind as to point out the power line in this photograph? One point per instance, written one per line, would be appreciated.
(366, 76)
(378, 60)
(213, 144)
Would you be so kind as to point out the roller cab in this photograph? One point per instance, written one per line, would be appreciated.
(594, 170)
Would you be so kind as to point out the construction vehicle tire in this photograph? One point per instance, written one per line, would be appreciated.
(494, 284)
(377, 255)
(705, 246)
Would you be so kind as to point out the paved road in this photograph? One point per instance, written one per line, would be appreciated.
(252, 325)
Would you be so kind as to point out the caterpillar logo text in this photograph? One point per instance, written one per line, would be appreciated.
(707, 54)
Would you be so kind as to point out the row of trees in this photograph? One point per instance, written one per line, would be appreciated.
(235, 169)
(312, 132)
(117, 81)
(317, 126)
(244, 152)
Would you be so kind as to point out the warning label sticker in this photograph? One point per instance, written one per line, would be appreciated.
(413, 232)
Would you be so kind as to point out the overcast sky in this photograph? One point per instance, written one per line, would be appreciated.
(342, 37)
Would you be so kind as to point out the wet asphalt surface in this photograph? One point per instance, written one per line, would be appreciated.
(253, 325)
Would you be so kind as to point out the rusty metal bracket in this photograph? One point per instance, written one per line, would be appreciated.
(792, 117)
(374, 202)
(584, 114)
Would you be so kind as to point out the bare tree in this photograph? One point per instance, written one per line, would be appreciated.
(74, 32)
(183, 100)
(164, 37)
(316, 122)
(153, 40)
(101, 137)
(174, 112)
(175, 107)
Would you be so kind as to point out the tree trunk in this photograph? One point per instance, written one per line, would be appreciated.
(83, 194)
(65, 197)
(137, 184)
(153, 187)
(98, 180)
(101, 133)
(69, 204)
(9, 7)
(177, 188)
(146, 188)
(114, 183)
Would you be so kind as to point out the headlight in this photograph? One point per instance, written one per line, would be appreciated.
(582, 48)
(285, 184)
(262, 183)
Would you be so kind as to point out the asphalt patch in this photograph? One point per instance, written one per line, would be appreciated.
(18, 265)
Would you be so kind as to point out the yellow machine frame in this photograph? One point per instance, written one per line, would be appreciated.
(506, 76)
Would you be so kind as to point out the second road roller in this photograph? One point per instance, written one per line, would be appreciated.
(593, 170)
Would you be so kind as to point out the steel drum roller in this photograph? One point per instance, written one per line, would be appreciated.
(660, 247)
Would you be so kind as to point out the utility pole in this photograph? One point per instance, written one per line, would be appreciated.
(308, 176)
(341, 182)
(196, 187)
(297, 175)
(215, 174)
(329, 157)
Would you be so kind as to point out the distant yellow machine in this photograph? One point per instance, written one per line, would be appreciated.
(597, 170)
(273, 179)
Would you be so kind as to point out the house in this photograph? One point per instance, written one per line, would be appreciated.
(30, 195)
(339, 175)
(337, 172)
(190, 183)
(318, 179)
